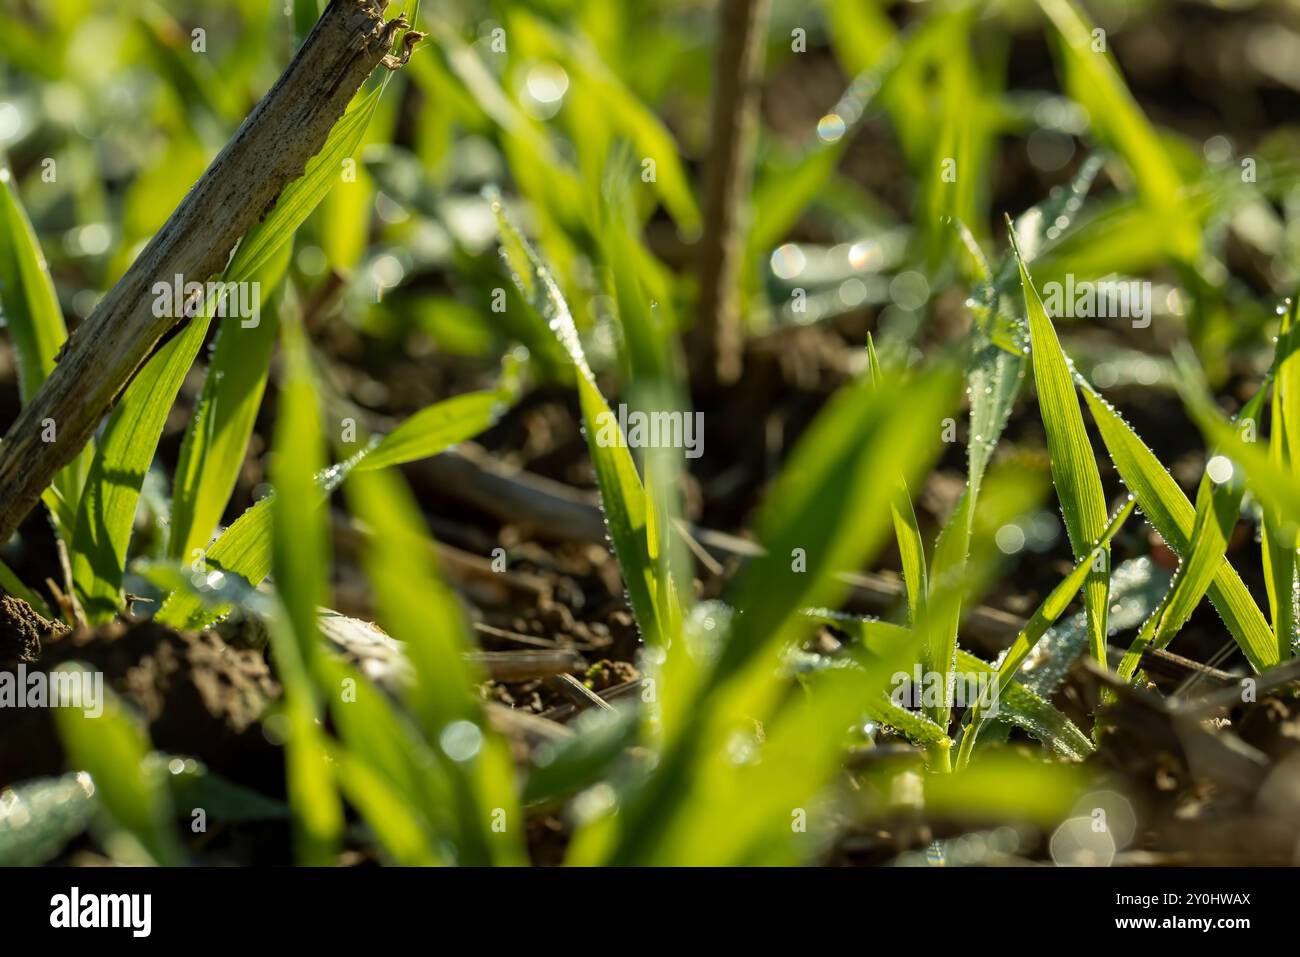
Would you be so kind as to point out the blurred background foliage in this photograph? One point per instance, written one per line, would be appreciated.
(570, 100)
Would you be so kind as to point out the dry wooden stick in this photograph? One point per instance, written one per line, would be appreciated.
(268, 151)
(717, 333)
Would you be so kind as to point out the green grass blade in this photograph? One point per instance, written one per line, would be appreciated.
(436, 428)
(1052, 607)
(914, 725)
(621, 491)
(305, 193)
(1217, 509)
(300, 556)
(626, 115)
(1022, 708)
(860, 33)
(1093, 80)
(216, 440)
(223, 418)
(244, 549)
(1279, 536)
(395, 822)
(131, 787)
(1266, 473)
(1074, 468)
(829, 506)
(107, 512)
(31, 306)
(35, 322)
(907, 531)
(1173, 517)
(416, 606)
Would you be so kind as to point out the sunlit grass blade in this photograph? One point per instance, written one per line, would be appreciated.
(1052, 607)
(378, 734)
(1279, 536)
(629, 118)
(859, 32)
(35, 323)
(830, 504)
(395, 822)
(948, 576)
(31, 307)
(740, 813)
(126, 449)
(999, 346)
(1173, 517)
(907, 531)
(621, 490)
(305, 193)
(223, 418)
(914, 725)
(131, 786)
(1074, 468)
(436, 428)
(216, 440)
(1021, 707)
(300, 555)
(244, 549)
(1242, 465)
(1218, 506)
(416, 606)
(1092, 79)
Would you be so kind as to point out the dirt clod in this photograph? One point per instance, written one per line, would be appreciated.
(22, 630)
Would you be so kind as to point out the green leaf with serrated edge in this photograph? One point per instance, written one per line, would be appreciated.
(1052, 607)
(1017, 704)
(1039, 718)
(621, 492)
(1171, 514)
(1074, 468)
